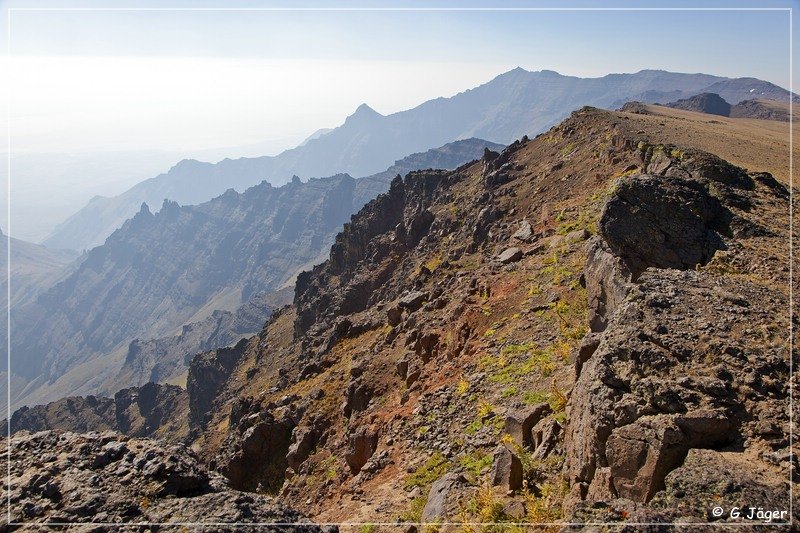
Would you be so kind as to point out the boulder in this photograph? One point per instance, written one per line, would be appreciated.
(442, 504)
(394, 315)
(545, 438)
(520, 422)
(510, 255)
(362, 443)
(506, 469)
(665, 222)
(304, 439)
(524, 233)
(413, 300)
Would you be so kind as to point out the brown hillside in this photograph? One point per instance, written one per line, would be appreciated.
(440, 366)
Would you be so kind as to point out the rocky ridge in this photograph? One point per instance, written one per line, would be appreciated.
(504, 324)
(526, 338)
(151, 410)
(163, 270)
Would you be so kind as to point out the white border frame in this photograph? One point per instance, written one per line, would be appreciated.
(10, 10)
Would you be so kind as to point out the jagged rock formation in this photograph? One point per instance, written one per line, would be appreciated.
(109, 478)
(631, 343)
(710, 103)
(161, 271)
(151, 410)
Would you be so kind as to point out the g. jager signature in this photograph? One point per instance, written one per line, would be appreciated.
(759, 513)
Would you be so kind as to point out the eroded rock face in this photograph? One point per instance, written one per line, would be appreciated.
(254, 456)
(152, 410)
(107, 477)
(665, 379)
(672, 364)
(207, 374)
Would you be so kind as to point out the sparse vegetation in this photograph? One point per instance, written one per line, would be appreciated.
(415, 508)
(476, 462)
(430, 471)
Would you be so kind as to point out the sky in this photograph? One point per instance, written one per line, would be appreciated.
(193, 80)
(212, 83)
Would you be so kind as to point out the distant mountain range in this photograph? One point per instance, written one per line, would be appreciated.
(511, 105)
(175, 267)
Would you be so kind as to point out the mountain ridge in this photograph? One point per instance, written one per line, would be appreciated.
(170, 268)
(503, 109)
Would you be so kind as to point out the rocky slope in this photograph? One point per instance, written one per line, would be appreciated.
(513, 104)
(151, 410)
(167, 358)
(164, 270)
(761, 109)
(588, 326)
(106, 478)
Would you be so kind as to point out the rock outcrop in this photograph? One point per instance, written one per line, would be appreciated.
(208, 372)
(761, 109)
(678, 366)
(710, 103)
(109, 478)
(151, 410)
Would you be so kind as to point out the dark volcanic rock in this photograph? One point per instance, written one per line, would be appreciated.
(710, 103)
(761, 109)
(662, 222)
(207, 374)
(152, 410)
(106, 477)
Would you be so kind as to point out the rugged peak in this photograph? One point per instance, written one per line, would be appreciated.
(168, 206)
(144, 209)
(363, 113)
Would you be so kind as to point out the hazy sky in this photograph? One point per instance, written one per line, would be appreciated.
(189, 80)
